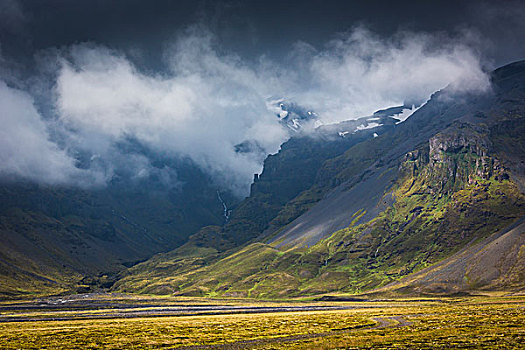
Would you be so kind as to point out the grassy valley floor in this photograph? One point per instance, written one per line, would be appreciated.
(120, 321)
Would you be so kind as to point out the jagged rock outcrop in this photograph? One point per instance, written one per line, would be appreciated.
(457, 156)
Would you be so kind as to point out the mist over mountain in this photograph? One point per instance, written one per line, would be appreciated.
(92, 98)
(430, 206)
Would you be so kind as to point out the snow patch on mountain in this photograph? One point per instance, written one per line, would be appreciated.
(367, 126)
(405, 114)
(294, 117)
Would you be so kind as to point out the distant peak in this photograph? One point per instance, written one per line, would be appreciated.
(293, 116)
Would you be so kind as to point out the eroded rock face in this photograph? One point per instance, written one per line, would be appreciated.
(458, 156)
(465, 139)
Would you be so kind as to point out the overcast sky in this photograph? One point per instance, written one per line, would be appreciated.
(193, 78)
(251, 28)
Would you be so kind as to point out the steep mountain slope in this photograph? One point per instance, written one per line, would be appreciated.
(496, 262)
(57, 238)
(277, 197)
(274, 197)
(451, 175)
(280, 182)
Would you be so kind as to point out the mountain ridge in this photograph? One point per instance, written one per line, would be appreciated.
(349, 207)
(449, 157)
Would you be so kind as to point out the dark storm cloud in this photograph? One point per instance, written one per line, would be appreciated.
(11, 15)
(501, 24)
(106, 72)
(250, 28)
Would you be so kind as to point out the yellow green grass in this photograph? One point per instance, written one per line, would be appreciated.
(480, 322)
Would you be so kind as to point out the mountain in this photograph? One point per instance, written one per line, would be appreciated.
(56, 238)
(293, 117)
(439, 193)
(59, 238)
(405, 201)
(494, 263)
(286, 188)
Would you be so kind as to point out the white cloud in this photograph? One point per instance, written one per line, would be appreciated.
(26, 150)
(209, 102)
(202, 110)
(360, 72)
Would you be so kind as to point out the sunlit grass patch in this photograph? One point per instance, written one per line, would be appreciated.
(481, 322)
